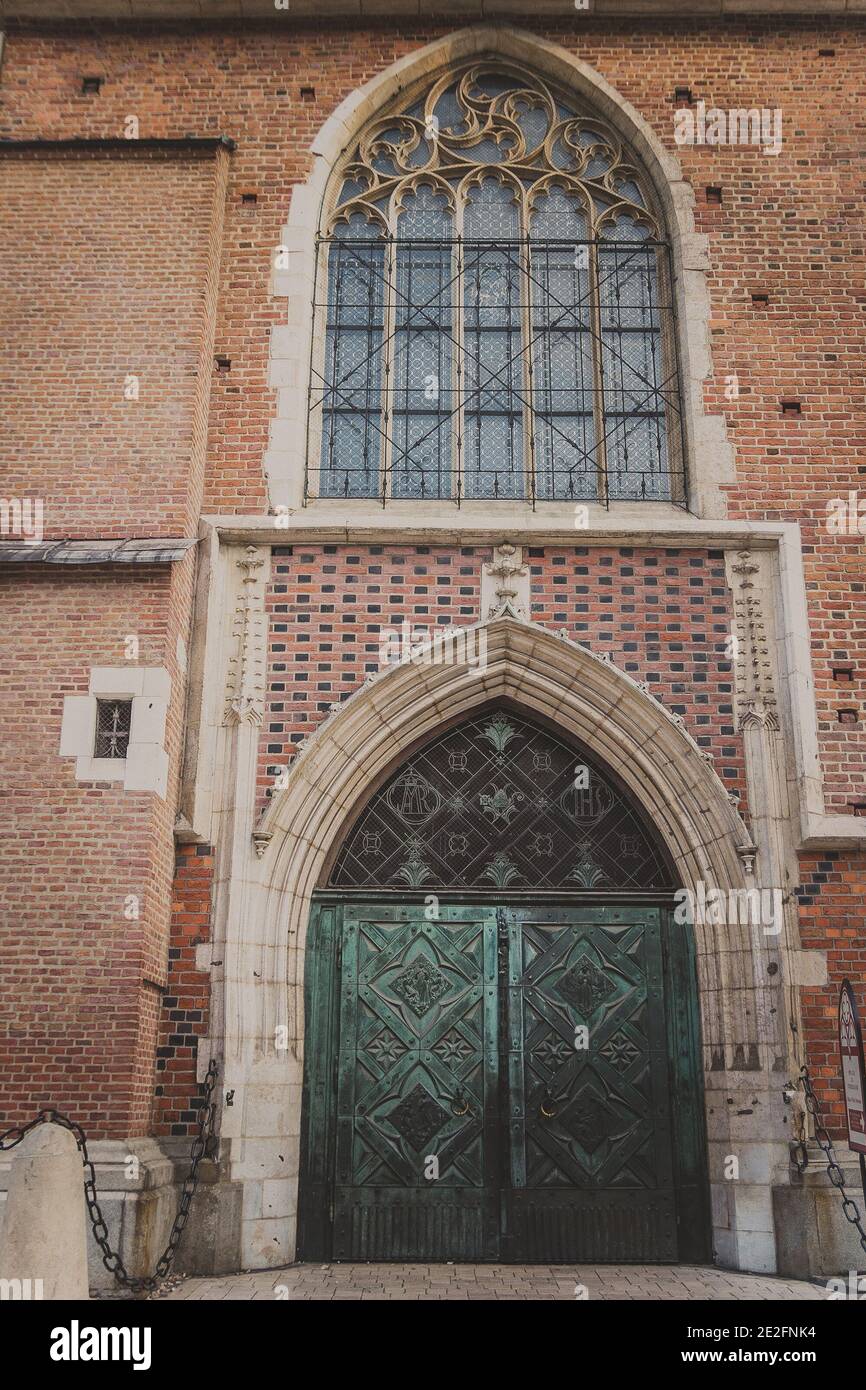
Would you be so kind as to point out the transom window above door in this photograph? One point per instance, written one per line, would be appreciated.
(493, 316)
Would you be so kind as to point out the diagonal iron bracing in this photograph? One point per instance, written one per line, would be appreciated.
(555, 371)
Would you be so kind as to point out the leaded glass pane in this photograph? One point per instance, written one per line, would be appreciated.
(534, 122)
(492, 329)
(352, 430)
(498, 802)
(564, 428)
(423, 387)
(631, 365)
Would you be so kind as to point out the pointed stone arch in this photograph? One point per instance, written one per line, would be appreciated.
(259, 1005)
(709, 454)
(587, 697)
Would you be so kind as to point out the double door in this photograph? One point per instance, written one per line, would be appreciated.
(489, 1083)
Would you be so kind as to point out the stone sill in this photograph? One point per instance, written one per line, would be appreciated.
(648, 524)
(816, 1174)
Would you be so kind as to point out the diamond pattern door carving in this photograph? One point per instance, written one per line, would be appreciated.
(585, 1056)
(417, 1086)
(503, 1086)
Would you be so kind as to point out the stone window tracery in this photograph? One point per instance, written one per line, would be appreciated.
(493, 307)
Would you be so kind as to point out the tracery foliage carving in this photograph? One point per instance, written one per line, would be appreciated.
(503, 122)
(493, 307)
(553, 835)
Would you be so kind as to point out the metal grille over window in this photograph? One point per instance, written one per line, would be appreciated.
(493, 314)
(497, 803)
(113, 722)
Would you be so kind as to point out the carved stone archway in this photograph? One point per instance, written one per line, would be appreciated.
(658, 763)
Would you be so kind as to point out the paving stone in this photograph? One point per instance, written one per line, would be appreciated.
(496, 1283)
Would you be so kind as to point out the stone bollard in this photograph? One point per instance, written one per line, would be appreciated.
(44, 1231)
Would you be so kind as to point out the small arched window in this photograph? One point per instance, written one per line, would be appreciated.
(493, 312)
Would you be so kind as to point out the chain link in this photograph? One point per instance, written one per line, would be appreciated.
(110, 1258)
(837, 1177)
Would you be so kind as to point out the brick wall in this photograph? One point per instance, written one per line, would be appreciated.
(109, 262)
(831, 896)
(186, 1003)
(104, 260)
(79, 979)
(125, 261)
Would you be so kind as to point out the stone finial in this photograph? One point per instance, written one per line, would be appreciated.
(505, 584)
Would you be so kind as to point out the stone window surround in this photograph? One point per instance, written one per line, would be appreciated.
(145, 767)
(709, 454)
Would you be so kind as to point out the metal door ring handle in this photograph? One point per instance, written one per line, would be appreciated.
(548, 1114)
(464, 1111)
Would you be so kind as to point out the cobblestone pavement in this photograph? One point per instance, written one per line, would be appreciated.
(400, 1282)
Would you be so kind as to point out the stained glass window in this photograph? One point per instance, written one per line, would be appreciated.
(500, 803)
(493, 307)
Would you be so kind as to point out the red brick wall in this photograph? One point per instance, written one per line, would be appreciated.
(78, 980)
(185, 1009)
(832, 895)
(109, 264)
(104, 261)
(115, 265)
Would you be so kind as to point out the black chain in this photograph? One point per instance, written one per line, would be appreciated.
(837, 1177)
(110, 1258)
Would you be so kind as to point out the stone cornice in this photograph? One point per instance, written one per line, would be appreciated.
(486, 523)
(217, 11)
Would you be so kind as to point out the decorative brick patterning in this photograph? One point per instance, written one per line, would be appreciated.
(665, 617)
(328, 605)
(186, 1003)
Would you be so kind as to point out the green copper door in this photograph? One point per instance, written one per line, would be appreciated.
(499, 1083)
(590, 1147)
(417, 1091)
(502, 1055)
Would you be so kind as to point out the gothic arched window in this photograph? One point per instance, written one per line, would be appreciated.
(493, 308)
(495, 803)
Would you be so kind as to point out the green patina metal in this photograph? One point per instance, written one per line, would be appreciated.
(508, 1080)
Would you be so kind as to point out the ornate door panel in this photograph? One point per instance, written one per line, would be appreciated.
(417, 1086)
(585, 1077)
(497, 1085)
